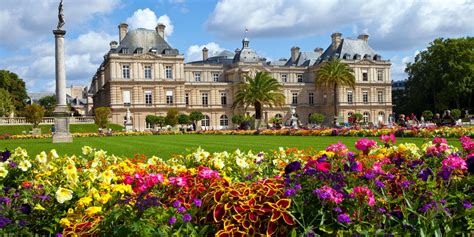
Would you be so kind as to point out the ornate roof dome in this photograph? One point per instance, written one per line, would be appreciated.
(246, 54)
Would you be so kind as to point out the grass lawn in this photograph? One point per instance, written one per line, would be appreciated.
(166, 145)
(19, 129)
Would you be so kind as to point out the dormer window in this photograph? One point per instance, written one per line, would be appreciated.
(124, 50)
(377, 57)
(367, 56)
(347, 56)
(139, 50)
(356, 56)
(153, 50)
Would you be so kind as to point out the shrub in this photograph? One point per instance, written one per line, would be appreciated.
(34, 114)
(101, 116)
(196, 116)
(456, 113)
(357, 117)
(427, 114)
(316, 118)
(183, 119)
(171, 117)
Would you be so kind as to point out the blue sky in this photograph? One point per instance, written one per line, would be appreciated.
(398, 29)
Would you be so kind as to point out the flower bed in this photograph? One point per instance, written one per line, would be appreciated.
(455, 132)
(383, 189)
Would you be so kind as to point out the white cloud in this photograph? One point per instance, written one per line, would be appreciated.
(146, 18)
(399, 66)
(393, 25)
(194, 52)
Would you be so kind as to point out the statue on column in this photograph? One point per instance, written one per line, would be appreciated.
(60, 16)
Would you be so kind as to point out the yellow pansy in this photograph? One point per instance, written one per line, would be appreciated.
(86, 150)
(84, 201)
(104, 198)
(24, 165)
(39, 207)
(93, 210)
(53, 154)
(42, 157)
(65, 222)
(3, 172)
(63, 194)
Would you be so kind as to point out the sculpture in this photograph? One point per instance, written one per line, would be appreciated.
(60, 15)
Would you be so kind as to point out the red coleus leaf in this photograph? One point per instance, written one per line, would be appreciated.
(270, 193)
(218, 196)
(238, 218)
(228, 206)
(234, 193)
(251, 202)
(275, 215)
(223, 233)
(253, 217)
(271, 228)
(251, 231)
(246, 224)
(228, 226)
(219, 212)
(266, 207)
(283, 203)
(287, 218)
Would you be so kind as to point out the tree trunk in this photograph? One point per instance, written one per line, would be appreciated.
(335, 100)
(258, 110)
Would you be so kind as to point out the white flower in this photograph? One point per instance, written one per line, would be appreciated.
(53, 154)
(24, 165)
(200, 154)
(42, 157)
(3, 172)
(86, 150)
(63, 195)
(20, 152)
(106, 176)
(153, 160)
(242, 163)
(100, 154)
(218, 163)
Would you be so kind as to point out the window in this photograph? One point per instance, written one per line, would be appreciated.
(148, 98)
(147, 72)
(284, 77)
(366, 117)
(169, 72)
(169, 97)
(365, 76)
(223, 98)
(215, 77)
(380, 75)
(205, 121)
(186, 98)
(205, 98)
(124, 50)
(380, 97)
(126, 71)
(224, 121)
(294, 99)
(311, 98)
(381, 117)
(126, 97)
(365, 97)
(350, 97)
(300, 77)
(197, 76)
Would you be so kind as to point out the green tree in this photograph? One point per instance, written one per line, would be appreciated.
(16, 87)
(48, 103)
(317, 118)
(427, 114)
(183, 119)
(101, 116)
(196, 116)
(456, 113)
(171, 117)
(441, 76)
(6, 105)
(160, 121)
(259, 91)
(151, 119)
(357, 117)
(335, 73)
(34, 114)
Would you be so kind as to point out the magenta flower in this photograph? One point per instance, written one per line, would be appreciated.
(363, 192)
(344, 218)
(207, 173)
(338, 148)
(388, 139)
(329, 194)
(177, 181)
(454, 162)
(364, 144)
(187, 217)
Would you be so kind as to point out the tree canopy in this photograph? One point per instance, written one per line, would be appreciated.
(6, 104)
(16, 87)
(49, 103)
(261, 90)
(442, 76)
(101, 116)
(34, 114)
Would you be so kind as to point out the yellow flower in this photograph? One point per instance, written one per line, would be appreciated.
(42, 157)
(104, 198)
(3, 172)
(241, 163)
(63, 195)
(218, 163)
(153, 160)
(122, 188)
(39, 207)
(70, 169)
(53, 154)
(86, 150)
(93, 210)
(24, 165)
(65, 222)
(107, 176)
(85, 201)
(20, 152)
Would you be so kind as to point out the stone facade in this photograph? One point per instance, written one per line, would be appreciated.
(143, 73)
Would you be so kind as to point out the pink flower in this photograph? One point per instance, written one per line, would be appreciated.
(207, 173)
(363, 192)
(454, 162)
(178, 181)
(338, 148)
(387, 139)
(323, 166)
(467, 144)
(128, 180)
(438, 140)
(365, 144)
(329, 193)
(378, 168)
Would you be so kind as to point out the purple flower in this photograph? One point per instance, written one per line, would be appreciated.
(379, 184)
(59, 235)
(369, 176)
(470, 164)
(186, 217)
(5, 155)
(466, 204)
(424, 174)
(444, 174)
(23, 223)
(292, 167)
(248, 176)
(390, 176)
(197, 202)
(297, 186)
(382, 210)
(260, 154)
(13, 164)
(442, 201)
(337, 209)
(25, 209)
(344, 219)
(425, 208)
(406, 184)
(4, 221)
(40, 186)
(176, 204)
(290, 192)
(181, 209)
(172, 220)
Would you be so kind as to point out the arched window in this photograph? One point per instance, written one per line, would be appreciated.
(366, 117)
(278, 116)
(205, 122)
(224, 121)
(381, 116)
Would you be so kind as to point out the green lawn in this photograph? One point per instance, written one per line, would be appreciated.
(75, 128)
(166, 145)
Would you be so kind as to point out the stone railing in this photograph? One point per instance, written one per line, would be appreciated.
(46, 120)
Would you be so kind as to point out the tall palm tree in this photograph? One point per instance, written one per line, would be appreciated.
(335, 73)
(259, 91)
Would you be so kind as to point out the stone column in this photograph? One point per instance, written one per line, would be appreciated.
(61, 112)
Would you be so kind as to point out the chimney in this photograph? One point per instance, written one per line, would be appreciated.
(113, 44)
(364, 37)
(319, 50)
(160, 29)
(123, 27)
(336, 40)
(205, 54)
(295, 52)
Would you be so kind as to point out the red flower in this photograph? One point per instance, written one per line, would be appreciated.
(323, 166)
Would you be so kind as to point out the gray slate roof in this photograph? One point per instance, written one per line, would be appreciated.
(349, 48)
(145, 39)
(225, 57)
(246, 54)
(304, 59)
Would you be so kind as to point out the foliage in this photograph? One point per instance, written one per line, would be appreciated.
(155, 120)
(238, 119)
(442, 76)
(196, 116)
(183, 119)
(383, 189)
(335, 73)
(357, 117)
(316, 118)
(16, 87)
(34, 114)
(171, 118)
(6, 105)
(456, 113)
(48, 103)
(101, 116)
(259, 91)
(427, 114)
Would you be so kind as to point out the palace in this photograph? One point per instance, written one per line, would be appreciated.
(142, 73)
